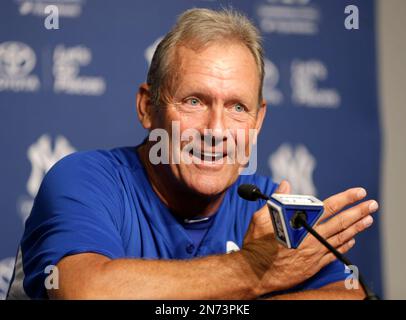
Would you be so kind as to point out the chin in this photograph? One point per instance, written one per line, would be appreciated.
(210, 184)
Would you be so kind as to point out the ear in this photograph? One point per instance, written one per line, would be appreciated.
(144, 106)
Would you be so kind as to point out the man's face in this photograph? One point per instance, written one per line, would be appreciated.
(216, 88)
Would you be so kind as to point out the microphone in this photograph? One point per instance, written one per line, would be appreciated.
(284, 211)
(250, 192)
(293, 216)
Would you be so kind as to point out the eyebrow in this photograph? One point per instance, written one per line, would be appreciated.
(205, 96)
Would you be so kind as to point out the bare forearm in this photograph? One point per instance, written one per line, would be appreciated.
(214, 277)
(208, 278)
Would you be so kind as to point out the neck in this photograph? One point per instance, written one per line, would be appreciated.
(182, 201)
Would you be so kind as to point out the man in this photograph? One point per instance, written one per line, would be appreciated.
(120, 224)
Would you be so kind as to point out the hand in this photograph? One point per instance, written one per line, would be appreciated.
(278, 268)
(261, 223)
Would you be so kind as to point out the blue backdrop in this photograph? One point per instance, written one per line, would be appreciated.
(74, 89)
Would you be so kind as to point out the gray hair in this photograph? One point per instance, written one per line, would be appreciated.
(200, 27)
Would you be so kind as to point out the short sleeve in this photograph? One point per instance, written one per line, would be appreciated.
(77, 210)
(331, 273)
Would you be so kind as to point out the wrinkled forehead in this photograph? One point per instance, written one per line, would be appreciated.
(225, 65)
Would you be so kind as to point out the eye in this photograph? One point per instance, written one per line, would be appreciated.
(193, 102)
(239, 107)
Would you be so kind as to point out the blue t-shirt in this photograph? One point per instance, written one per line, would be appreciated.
(103, 202)
(197, 228)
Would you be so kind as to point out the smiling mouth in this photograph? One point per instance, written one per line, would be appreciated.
(206, 156)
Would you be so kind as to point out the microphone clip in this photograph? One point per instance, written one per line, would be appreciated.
(288, 212)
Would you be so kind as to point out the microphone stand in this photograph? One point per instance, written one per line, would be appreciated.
(299, 220)
(251, 192)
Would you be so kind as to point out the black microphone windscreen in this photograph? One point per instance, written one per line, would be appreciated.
(249, 192)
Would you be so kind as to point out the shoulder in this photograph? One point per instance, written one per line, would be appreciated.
(83, 185)
(88, 172)
(103, 163)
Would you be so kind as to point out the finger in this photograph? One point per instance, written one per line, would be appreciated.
(341, 238)
(284, 187)
(330, 257)
(261, 223)
(337, 202)
(261, 217)
(347, 218)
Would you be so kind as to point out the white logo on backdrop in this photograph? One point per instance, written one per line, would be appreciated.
(6, 272)
(150, 50)
(271, 94)
(297, 17)
(17, 60)
(305, 90)
(231, 247)
(295, 165)
(42, 158)
(66, 8)
(67, 63)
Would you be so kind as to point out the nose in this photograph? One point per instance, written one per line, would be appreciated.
(215, 126)
(216, 119)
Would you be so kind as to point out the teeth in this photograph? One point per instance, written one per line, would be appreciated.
(216, 155)
(209, 155)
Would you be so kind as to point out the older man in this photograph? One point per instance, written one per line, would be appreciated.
(119, 224)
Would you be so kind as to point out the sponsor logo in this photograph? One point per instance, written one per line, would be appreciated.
(305, 88)
(231, 247)
(296, 17)
(296, 164)
(67, 63)
(6, 272)
(42, 158)
(271, 93)
(66, 8)
(17, 60)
